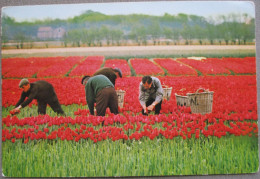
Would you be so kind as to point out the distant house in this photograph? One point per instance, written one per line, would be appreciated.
(58, 33)
(50, 33)
(44, 33)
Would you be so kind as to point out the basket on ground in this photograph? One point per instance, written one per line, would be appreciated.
(167, 91)
(121, 95)
(182, 100)
(201, 102)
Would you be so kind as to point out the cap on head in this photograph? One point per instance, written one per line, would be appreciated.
(119, 72)
(84, 78)
(147, 79)
(23, 82)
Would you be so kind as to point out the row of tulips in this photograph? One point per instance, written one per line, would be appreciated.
(126, 127)
(212, 66)
(205, 66)
(27, 67)
(119, 63)
(177, 113)
(174, 67)
(61, 66)
(145, 67)
(240, 65)
(88, 66)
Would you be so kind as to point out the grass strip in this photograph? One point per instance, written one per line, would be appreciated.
(229, 155)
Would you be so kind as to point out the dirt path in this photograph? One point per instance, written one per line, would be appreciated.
(132, 50)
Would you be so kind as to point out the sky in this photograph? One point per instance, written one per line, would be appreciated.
(200, 8)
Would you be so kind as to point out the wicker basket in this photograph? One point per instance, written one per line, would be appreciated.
(167, 91)
(201, 102)
(182, 100)
(121, 95)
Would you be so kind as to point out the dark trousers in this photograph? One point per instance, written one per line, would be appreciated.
(106, 97)
(157, 106)
(54, 104)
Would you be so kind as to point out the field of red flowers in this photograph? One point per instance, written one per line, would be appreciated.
(233, 81)
(234, 107)
(234, 95)
(78, 66)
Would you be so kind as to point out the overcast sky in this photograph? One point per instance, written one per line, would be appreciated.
(64, 11)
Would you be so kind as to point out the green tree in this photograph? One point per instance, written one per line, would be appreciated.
(66, 40)
(247, 31)
(7, 23)
(199, 33)
(224, 29)
(211, 33)
(88, 36)
(241, 24)
(168, 33)
(4, 37)
(98, 37)
(116, 36)
(234, 27)
(155, 31)
(176, 36)
(142, 34)
(186, 34)
(20, 39)
(104, 31)
(139, 35)
(74, 36)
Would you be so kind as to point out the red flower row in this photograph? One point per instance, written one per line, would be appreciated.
(174, 67)
(60, 69)
(240, 65)
(205, 66)
(145, 67)
(88, 67)
(119, 63)
(134, 127)
(211, 66)
(57, 66)
(27, 67)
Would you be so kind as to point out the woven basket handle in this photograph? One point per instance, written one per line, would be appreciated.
(200, 89)
(164, 86)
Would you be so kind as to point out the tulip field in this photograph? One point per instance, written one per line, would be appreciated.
(175, 142)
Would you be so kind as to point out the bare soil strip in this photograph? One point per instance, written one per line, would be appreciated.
(133, 50)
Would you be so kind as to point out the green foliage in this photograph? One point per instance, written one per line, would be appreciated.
(90, 16)
(140, 28)
(32, 111)
(159, 157)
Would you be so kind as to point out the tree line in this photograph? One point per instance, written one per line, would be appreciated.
(96, 29)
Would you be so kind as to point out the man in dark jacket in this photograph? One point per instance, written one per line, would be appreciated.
(101, 91)
(110, 73)
(43, 92)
